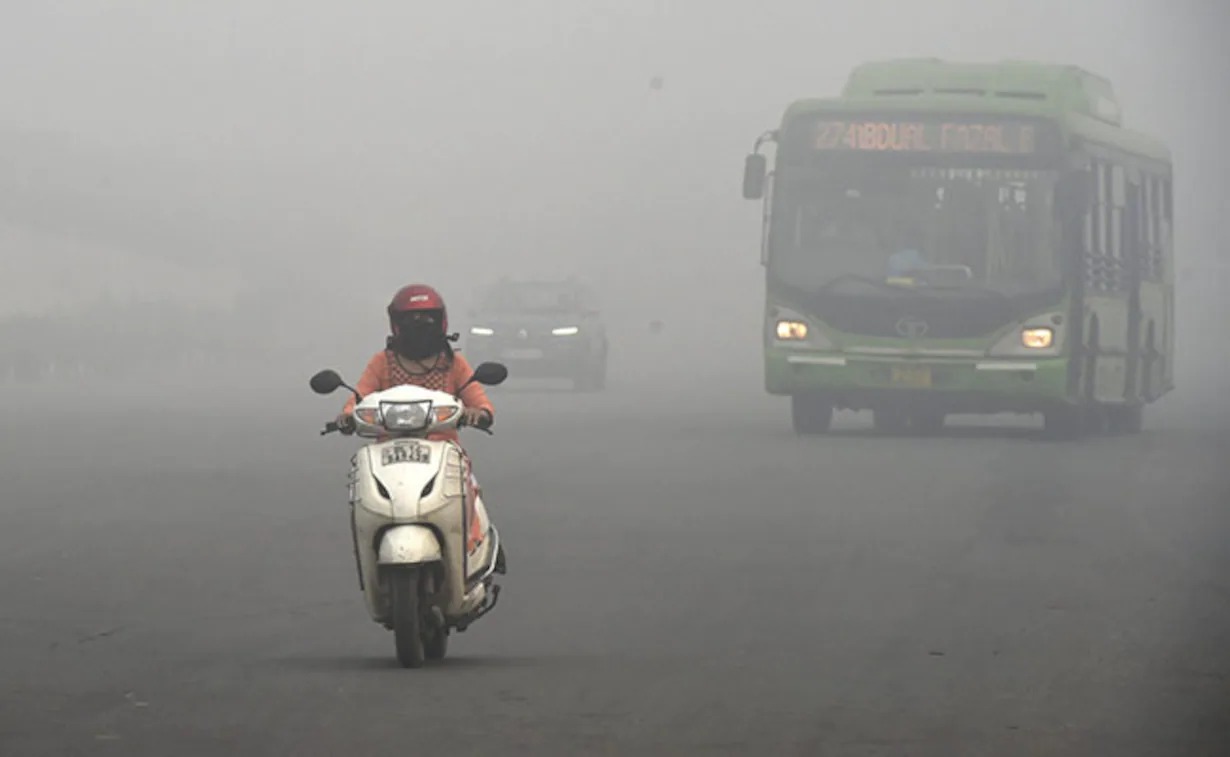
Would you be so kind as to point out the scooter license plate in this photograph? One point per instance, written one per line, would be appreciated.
(405, 453)
(915, 376)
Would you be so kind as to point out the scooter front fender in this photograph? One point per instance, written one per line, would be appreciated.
(409, 545)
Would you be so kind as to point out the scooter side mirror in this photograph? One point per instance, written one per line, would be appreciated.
(326, 382)
(489, 374)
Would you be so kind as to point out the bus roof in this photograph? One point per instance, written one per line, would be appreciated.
(1084, 103)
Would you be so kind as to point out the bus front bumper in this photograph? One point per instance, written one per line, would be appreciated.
(972, 385)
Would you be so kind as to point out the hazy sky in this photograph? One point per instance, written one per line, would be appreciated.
(456, 140)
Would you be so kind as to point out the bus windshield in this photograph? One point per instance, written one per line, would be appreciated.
(940, 228)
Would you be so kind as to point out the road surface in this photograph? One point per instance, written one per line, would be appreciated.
(686, 577)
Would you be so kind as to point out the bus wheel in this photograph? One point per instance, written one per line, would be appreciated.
(890, 420)
(1097, 419)
(1147, 368)
(810, 414)
(1064, 424)
(1125, 419)
(927, 423)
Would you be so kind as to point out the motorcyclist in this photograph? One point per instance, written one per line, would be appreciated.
(418, 352)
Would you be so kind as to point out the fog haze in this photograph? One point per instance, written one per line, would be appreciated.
(203, 203)
(316, 156)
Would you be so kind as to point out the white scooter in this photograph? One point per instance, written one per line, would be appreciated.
(426, 551)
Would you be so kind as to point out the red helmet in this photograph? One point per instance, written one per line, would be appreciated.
(415, 298)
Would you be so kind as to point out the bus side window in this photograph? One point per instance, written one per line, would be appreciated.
(1165, 225)
(1153, 230)
(1118, 201)
(1089, 236)
(1136, 216)
(1100, 244)
(1146, 223)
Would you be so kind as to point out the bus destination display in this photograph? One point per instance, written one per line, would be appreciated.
(995, 138)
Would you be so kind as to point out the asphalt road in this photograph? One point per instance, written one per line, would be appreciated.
(686, 577)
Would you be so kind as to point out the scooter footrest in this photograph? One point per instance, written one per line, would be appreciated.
(488, 604)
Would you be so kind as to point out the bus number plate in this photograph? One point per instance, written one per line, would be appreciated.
(915, 376)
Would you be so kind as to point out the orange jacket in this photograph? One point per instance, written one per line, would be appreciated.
(384, 371)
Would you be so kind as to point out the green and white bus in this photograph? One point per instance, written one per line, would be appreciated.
(966, 238)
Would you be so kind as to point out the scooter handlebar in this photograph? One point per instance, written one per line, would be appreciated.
(483, 425)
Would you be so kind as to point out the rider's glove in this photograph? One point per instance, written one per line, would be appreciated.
(477, 417)
(345, 424)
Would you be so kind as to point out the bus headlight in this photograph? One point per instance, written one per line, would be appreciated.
(1037, 338)
(791, 331)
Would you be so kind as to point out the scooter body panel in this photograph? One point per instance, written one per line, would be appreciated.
(413, 501)
(409, 545)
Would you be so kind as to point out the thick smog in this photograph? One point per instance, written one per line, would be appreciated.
(588, 377)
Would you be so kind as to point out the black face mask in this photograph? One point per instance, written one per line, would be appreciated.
(418, 340)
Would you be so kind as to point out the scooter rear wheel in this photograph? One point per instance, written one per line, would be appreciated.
(407, 620)
(436, 646)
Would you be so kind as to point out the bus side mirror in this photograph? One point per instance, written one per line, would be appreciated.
(754, 169)
(1074, 194)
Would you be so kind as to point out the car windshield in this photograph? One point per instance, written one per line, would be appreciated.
(944, 229)
(531, 298)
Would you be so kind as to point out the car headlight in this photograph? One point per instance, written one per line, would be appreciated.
(791, 331)
(405, 416)
(481, 331)
(1038, 337)
(565, 331)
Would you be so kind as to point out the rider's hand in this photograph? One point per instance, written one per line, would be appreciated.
(476, 416)
(345, 424)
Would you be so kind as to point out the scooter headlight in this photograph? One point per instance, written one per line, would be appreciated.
(406, 416)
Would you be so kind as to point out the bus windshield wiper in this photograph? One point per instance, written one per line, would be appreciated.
(881, 284)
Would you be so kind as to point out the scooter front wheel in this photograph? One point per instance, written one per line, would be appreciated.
(407, 620)
(435, 635)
